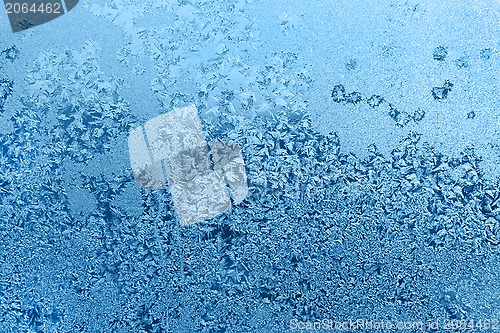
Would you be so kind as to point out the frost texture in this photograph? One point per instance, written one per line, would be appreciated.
(410, 235)
(85, 109)
(322, 233)
(401, 118)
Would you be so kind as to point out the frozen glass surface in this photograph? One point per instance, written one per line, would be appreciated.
(228, 161)
(26, 14)
(342, 166)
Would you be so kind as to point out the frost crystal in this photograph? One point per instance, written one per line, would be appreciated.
(408, 231)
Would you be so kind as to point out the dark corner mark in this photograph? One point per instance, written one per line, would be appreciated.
(70, 4)
(26, 14)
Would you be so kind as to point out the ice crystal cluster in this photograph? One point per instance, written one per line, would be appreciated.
(405, 233)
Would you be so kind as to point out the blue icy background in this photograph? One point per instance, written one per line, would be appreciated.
(370, 136)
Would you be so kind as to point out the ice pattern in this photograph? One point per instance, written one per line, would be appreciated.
(371, 163)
